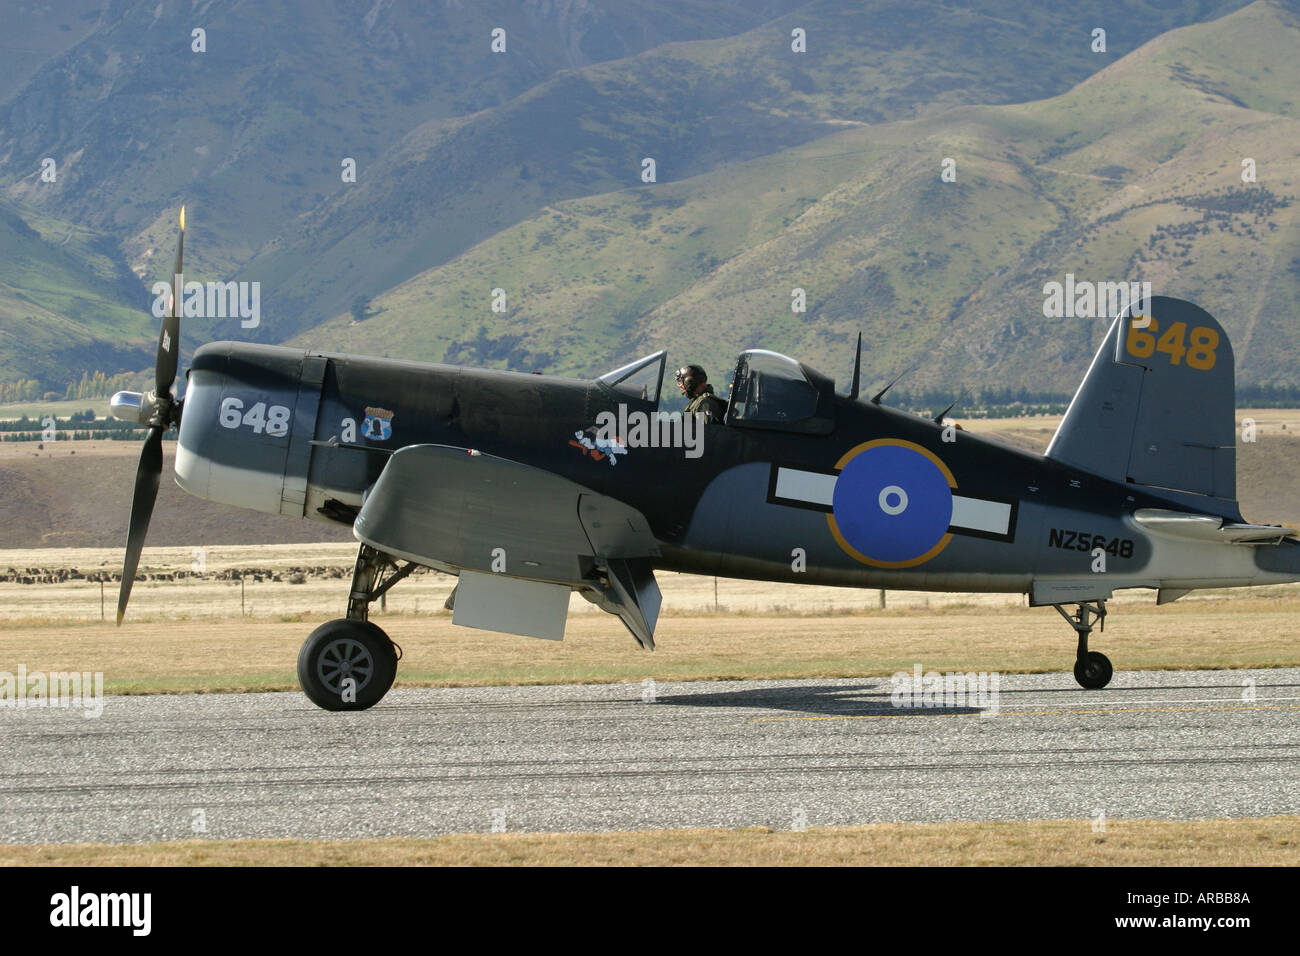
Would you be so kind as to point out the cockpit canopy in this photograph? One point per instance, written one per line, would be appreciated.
(774, 391)
(769, 390)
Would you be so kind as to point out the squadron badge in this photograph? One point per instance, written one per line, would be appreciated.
(378, 424)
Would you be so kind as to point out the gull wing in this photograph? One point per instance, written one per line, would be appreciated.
(520, 537)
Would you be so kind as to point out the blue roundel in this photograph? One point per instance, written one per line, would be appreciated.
(892, 503)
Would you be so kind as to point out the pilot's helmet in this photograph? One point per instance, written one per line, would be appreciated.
(692, 376)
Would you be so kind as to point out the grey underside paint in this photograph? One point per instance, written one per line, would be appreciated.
(441, 503)
(737, 532)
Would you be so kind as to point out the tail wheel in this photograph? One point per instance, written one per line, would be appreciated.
(347, 665)
(1093, 670)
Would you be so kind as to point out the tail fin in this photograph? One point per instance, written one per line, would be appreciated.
(1157, 407)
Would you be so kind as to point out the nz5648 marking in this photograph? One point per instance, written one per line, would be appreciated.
(1082, 541)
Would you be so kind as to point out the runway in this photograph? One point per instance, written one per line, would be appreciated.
(782, 754)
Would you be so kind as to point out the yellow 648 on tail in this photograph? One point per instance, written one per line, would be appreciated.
(1197, 350)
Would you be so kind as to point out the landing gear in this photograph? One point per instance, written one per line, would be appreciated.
(1092, 669)
(349, 664)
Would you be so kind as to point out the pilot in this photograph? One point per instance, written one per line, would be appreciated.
(694, 384)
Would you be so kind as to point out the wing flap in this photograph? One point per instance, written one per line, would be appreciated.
(497, 602)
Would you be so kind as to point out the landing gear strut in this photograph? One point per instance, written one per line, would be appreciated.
(350, 663)
(1092, 669)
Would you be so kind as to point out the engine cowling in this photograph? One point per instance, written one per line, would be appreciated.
(249, 420)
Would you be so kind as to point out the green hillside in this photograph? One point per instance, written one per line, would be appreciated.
(1134, 173)
(66, 302)
(35, 33)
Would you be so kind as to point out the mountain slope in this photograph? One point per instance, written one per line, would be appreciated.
(1133, 174)
(521, 171)
(252, 132)
(454, 143)
(691, 106)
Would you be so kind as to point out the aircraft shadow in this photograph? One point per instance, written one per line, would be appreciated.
(861, 700)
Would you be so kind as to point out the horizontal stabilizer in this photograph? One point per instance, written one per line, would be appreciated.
(1209, 528)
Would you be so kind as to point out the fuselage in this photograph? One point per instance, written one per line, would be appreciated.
(292, 432)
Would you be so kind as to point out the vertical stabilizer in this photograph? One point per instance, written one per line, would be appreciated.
(1157, 407)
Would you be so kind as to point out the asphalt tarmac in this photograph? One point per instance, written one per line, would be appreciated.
(782, 754)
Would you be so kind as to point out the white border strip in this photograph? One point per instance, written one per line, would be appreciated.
(810, 486)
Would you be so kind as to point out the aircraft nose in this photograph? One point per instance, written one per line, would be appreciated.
(249, 421)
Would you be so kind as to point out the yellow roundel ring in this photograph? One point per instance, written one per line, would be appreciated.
(892, 503)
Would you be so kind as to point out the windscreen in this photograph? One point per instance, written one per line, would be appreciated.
(640, 379)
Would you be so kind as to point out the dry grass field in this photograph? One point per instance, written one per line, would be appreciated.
(72, 494)
(188, 635)
(1264, 841)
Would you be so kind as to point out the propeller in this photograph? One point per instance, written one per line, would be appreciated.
(160, 410)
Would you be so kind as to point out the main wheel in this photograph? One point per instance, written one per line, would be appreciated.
(1093, 671)
(347, 665)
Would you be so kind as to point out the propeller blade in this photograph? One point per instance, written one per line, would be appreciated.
(146, 493)
(169, 346)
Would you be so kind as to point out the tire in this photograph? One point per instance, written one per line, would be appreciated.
(343, 649)
(1093, 672)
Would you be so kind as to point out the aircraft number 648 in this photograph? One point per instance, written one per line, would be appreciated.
(273, 420)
